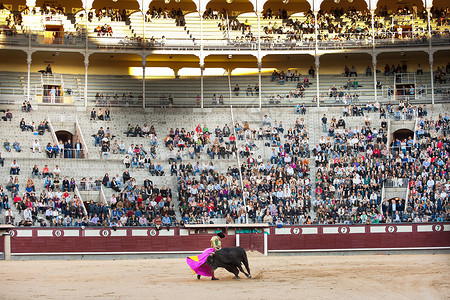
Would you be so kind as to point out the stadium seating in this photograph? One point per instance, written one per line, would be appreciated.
(163, 121)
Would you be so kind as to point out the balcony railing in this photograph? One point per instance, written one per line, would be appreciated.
(285, 42)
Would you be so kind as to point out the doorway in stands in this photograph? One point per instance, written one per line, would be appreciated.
(64, 136)
(402, 140)
(395, 206)
(403, 134)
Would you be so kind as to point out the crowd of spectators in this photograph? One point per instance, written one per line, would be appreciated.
(276, 191)
(115, 15)
(427, 177)
(160, 13)
(134, 205)
(352, 166)
(339, 26)
(105, 30)
(56, 205)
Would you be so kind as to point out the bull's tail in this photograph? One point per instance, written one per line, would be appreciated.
(245, 261)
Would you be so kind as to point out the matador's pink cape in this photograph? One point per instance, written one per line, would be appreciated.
(198, 263)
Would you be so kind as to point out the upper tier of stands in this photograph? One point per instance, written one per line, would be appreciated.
(336, 30)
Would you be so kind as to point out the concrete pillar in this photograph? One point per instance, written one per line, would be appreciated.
(29, 59)
(202, 68)
(201, 12)
(144, 64)
(259, 83)
(430, 53)
(374, 71)
(317, 62)
(202, 58)
(7, 245)
(430, 59)
(372, 13)
(259, 30)
(316, 28)
(86, 66)
(144, 43)
(316, 57)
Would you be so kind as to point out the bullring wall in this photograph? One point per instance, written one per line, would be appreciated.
(33, 241)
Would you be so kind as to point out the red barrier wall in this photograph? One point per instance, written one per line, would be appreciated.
(332, 237)
(295, 238)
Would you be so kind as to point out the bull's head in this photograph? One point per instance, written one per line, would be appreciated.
(211, 261)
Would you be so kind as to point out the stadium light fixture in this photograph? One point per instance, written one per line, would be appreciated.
(337, 1)
(177, 1)
(166, 1)
(229, 1)
(350, 1)
(285, 1)
(114, 1)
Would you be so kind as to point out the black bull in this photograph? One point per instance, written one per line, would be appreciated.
(230, 259)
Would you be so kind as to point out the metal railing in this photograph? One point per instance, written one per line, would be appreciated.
(89, 186)
(52, 131)
(268, 42)
(77, 192)
(85, 152)
(396, 182)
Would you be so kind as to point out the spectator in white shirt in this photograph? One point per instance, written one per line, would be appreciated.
(27, 214)
(36, 146)
(122, 147)
(56, 171)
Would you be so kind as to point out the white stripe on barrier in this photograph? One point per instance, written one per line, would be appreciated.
(71, 232)
(44, 233)
(184, 232)
(377, 229)
(330, 230)
(424, 228)
(404, 228)
(310, 230)
(24, 233)
(283, 230)
(92, 232)
(119, 232)
(139, 232)
(357, 229)
(164, 232)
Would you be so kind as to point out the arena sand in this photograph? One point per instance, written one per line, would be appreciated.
(289, 277)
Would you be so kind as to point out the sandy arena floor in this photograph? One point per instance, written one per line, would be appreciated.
(289, 277)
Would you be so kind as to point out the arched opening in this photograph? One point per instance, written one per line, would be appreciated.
(69, 7)
(231, 10)
(185, 6)
(64, 136)
(343, 6)
(403, 134)
(386, 7)
(402, 141)
(291, 7)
